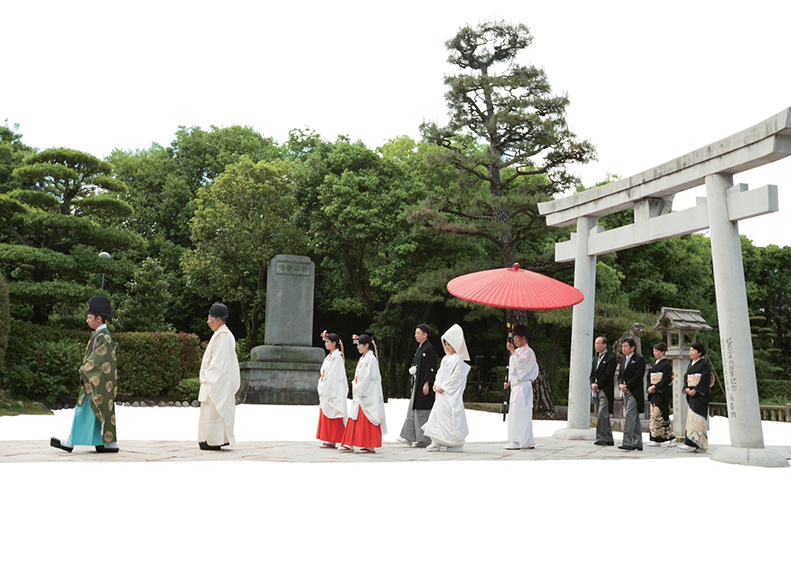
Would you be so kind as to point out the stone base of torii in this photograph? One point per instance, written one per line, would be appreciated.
(651, 193)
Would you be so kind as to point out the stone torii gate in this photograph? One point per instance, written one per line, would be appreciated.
(651, 195)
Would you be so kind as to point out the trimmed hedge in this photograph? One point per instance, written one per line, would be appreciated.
(42, 362)
(774, 390)
(151, 364)
(5, 319)
(188, 389)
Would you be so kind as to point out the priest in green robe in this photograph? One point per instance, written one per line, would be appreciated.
(94, 415)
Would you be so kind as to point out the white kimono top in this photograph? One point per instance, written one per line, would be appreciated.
(447, 423)
(367, 391)
(522, 370)
(334, 387)
(219, 372)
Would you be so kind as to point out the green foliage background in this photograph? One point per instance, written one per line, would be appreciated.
(197, 220)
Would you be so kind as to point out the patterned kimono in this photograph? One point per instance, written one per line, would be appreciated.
(94, 419)
(661, 376)
(698, 377)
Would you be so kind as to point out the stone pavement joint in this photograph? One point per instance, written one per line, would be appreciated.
(29, 451)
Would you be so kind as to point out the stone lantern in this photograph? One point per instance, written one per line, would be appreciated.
(681, 328)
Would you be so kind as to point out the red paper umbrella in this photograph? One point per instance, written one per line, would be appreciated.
(514, 288)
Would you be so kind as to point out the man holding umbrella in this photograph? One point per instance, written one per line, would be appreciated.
(522, 370)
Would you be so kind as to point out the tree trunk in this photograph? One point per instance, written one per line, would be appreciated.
(543, 399)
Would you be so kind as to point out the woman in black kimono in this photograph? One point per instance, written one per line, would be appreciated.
(697, 387)
(660, 392)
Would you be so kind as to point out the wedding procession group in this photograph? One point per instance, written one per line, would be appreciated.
(435, 420)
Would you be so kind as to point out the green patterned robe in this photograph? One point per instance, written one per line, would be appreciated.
(99, 375)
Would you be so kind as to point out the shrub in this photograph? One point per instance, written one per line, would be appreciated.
(151, 364)
(42, 362)
(774, 390)
(49, 372)
(187, 389)
(5, 319)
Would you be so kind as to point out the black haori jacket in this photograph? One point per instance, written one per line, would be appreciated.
(603, 375)
(699, 403)
(426, 362)
(633, 375)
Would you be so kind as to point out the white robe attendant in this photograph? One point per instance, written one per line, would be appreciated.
(447, 423)
(219, 381)
(367, 392)
(334, 387)
(522, 370)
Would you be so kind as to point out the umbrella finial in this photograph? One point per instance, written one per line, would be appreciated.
(516, 265)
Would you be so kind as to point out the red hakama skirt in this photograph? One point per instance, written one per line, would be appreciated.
(362, 433)
(330, 429)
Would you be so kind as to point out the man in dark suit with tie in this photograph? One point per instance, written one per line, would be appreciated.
(631, 381)
(602, 382)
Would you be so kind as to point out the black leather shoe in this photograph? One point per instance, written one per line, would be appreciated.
(630, 448)
(102, 448)
(55, 443)
(600, 443)
(205, 446)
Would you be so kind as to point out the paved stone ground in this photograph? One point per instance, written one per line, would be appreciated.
(160, 451)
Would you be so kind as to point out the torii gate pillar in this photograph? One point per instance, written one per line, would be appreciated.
(578, 426)
(744, 415)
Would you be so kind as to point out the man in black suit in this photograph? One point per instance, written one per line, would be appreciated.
(631, 382)
(602, 381)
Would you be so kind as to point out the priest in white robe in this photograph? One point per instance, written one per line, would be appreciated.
(522, 370)
(447, 423)
(219, 381)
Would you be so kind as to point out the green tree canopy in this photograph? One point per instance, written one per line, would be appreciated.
(12, 153)
(241, 223)
(54, 230)
(507, 133)
(162, 185)
(148, 299)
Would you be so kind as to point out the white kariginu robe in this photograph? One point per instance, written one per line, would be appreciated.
(219, 381)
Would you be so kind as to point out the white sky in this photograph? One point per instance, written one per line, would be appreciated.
(647, 81)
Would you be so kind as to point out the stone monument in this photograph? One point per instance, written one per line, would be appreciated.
(286, 368)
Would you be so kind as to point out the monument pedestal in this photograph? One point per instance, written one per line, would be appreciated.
(281, 375)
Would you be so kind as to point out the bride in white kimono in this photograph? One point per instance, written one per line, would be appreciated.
(447, 423)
